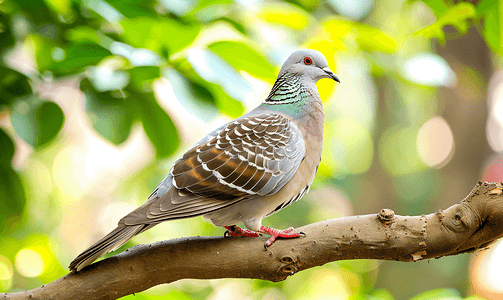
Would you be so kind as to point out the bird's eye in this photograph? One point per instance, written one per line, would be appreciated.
(308, 61)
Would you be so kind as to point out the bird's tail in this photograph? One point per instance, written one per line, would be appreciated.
(111, 242)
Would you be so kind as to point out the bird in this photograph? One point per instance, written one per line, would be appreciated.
(245, 170)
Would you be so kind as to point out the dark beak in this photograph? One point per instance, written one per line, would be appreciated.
(331, 74)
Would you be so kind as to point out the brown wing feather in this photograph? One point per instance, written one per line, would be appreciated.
(249, 157)
(237, 153)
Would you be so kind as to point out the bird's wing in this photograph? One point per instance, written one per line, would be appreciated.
(251, 156)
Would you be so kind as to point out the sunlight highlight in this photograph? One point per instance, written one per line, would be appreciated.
(29, 263)
(6, 274)
(6, 270)
(494, 125)
(435, 142)
(487, 269)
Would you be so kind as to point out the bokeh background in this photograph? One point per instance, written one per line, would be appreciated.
(98, 98)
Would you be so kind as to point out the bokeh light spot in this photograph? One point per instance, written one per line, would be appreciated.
(328, 284)
(29, 263)
(494, 170)
(352, 9)
(494, 125)
(435, 142)
(429, 69)
(494, 133)
(321, 284)
(6, 270)
(487, 274)
(66, 162)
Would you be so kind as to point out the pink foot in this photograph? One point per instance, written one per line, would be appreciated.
(238, 231)
(275, 233)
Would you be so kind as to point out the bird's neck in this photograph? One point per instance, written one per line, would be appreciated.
(287, 89)
(290, 95)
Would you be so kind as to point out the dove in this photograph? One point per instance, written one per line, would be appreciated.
(245, 170)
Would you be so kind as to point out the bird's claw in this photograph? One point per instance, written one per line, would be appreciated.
(238, 231)
(275, 233)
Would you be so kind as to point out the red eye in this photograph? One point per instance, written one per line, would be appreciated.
(308, 61)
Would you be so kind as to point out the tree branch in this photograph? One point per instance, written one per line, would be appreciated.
(473, 223)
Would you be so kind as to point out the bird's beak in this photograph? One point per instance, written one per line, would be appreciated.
(331, 74)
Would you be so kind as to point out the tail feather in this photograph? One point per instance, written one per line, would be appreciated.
(111, 242)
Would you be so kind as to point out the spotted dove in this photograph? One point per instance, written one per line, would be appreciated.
(245, 170)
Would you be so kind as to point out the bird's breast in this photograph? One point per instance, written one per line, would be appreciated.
(310, 125)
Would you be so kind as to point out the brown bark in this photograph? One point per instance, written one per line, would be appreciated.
(471, 224)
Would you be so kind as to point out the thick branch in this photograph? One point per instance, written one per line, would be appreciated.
(471, 224)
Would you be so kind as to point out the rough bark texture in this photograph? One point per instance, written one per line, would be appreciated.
(471, 224)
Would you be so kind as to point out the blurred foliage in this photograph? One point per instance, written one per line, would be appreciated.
(457, 15)
(118, 51)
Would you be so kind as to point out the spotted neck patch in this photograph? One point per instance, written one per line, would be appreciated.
(288, 88)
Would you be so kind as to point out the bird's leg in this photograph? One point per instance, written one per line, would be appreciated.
(275, 233)
(235, 230)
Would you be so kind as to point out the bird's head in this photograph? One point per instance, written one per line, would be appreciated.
(308, 64)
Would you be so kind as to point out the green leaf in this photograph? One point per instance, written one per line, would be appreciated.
(141, 78)
(243, 57)
(157, 124)
(209, 10)
(367, 37)
(8, 149)
(12, 196)
(61, 7)
(237, 25)
(12, 85)
(6, 38)
(214, 69)
(447, 294)
(491, 31)
(195, 97)
(50, 118)
(486, 6)
(373, 39)
(82, 34)
(79, 56)
(489, 10)
(110, 115)
(134, 8)
(202, 5)
(457, 16)
(36, 11)
(285, 14)
(306, 4)
(36, 121)
(382, 294)
(42, 48)
(159, 35)
(225, 103)
(438, 6)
